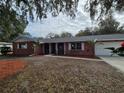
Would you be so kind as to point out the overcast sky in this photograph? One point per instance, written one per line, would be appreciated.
(63, 23)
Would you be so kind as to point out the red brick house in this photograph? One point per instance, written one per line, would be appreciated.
(85, 46)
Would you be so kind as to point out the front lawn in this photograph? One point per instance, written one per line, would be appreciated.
(56, 75)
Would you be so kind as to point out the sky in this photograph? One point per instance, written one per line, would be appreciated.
(62, 23)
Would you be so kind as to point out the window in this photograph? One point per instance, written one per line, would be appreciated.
(73, 45)
(76, 46)
(22, 46)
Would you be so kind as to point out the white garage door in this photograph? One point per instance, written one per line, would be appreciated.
(100, 47)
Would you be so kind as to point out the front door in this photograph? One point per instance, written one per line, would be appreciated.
(60, 48)
(53, 48)
(46, 48)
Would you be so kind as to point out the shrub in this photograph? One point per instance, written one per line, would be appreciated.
(119, 51)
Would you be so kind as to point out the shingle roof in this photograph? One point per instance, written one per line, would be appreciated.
(85, 38)
(23, 38)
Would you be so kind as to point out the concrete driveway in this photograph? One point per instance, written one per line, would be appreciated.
(115, 61)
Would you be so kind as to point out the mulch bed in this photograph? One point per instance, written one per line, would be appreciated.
(10, 67)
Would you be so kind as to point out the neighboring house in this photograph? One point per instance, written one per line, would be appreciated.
(85, 46)
(6, 44)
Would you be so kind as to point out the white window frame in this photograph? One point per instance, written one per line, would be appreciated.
(22, 46)
(70, 46)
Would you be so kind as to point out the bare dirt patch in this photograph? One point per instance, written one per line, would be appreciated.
(56, 75)
(10, 67)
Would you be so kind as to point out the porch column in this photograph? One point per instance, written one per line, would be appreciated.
(64, 48)
(50, 48)
(56, 48)
(43, 48)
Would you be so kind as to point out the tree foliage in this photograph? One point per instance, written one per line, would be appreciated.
(14, 14)
(52, 35)
(42, 7)
(85, 32)
(103, 7)
(26, 33)
(66, 34)
(69, 7)
(11, 23)
(62, 35)
(107, 26)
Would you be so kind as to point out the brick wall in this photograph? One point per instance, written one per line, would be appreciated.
(23, 52)
(89, 49)
(87, 52)
(39, 49)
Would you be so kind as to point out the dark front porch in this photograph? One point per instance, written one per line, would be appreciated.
(54, 48)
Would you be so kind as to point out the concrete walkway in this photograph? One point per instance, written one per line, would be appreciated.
(115, 61)
(90, 59)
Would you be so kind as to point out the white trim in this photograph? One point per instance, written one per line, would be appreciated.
(82, 46)
(69, 46)
(25, 46)
(56, 48)
(18, 46)
(64, 48)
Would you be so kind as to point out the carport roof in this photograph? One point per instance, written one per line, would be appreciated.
(84, 38)
(5, 43)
